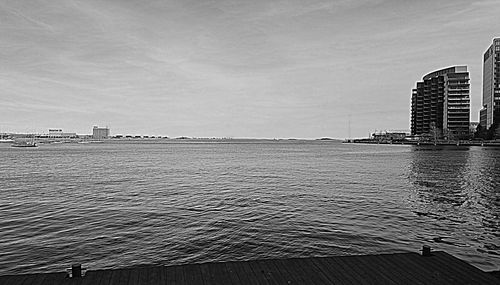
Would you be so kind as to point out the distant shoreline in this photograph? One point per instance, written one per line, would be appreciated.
(428, 143)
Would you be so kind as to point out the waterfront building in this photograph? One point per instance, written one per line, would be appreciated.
(490, 113)
(59, 134)
(100, 133)
(440, 104)
(389, 135)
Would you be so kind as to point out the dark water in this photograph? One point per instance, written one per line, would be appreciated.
(115, 205)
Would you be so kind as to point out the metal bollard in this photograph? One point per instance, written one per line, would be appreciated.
(76, 270)
(426, 250)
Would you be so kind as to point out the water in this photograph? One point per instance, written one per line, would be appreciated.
(120, 204)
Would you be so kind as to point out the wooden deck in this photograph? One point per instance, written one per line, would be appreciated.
(401, 268)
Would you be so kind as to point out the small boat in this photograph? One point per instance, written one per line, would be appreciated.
(24, 144)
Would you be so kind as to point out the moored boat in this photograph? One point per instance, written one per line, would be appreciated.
(24, 144)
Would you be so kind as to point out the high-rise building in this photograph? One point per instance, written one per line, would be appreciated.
(491, 89)
(100, 133)
(440, 104)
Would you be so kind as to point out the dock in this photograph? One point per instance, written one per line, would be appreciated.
(398, 268)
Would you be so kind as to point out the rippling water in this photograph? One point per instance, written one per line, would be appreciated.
(120, 204)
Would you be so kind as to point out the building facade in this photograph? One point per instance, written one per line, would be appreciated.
(491, 89)
(100, 133)
(440, 104)
(58, 133)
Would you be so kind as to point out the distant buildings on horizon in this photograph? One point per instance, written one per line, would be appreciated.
(440, 103)
(100, 133)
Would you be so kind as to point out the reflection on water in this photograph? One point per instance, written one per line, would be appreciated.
(458, 188)
(440, 177)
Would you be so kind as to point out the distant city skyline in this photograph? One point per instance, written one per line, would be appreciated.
(253, 69)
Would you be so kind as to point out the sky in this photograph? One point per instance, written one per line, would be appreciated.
(220, 68)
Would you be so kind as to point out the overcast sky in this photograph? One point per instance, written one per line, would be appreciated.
(218, 68)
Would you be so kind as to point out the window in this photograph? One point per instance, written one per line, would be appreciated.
(497, 48)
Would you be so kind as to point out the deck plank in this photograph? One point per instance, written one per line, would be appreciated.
(260, 273)
(245, 273)
(233, 273)
(205, 274)
(376, 270)
(133, 278)
(91, 277)
(121, 277)
(106, 276)
(325, 267)
(54, 279)
(400, 268)
(429, 272)
(219, 273)
(278, 276)
(461, 269)
(192, 273)
(346, 272)
(179, 275)
(312, 270)
(170, 275)
(404, 277)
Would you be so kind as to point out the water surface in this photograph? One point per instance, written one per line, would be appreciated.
(119, 204)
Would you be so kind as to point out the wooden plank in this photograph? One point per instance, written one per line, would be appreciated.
(295, 276)
(163, 275)
(460, 270)
(429, 272)
(327, 270)
(205, 274)
(354, 270)
(261, 274)
(144, 274)
(179, 275)
(105, 277)
(120, 277)
(12, 279)
(192, 274)
(133, 278)
(311, 269)
(345, 273)
(404, 268)
(377, 269)
(219, 274)
(276, 275)
(20, 279)
(170, 275)
(266, 273)
(414, 264)
(27, 279)
(116, 276)
(154, 276)
(400, 269)
(54, 278)
(303, 274)
(36, 280)
(245, 273)
(92, 277)
(233, 273)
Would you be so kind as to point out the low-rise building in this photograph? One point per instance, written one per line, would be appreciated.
(100, 133)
